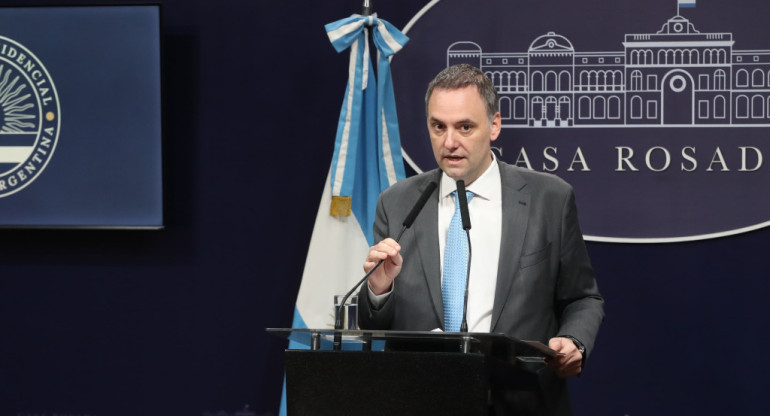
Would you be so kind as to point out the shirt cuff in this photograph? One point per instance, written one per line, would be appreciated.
(378, 300)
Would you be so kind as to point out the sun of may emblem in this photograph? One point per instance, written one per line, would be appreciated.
(29, 117)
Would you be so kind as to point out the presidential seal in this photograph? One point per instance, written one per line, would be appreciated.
(29, 117)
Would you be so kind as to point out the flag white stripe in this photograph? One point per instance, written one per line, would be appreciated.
(388, 38)
(386, 152)
(344, 30)
(343, 153)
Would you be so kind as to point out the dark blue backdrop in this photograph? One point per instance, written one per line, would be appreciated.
(172, 322)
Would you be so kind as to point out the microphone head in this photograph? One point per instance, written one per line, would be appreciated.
(462, 198)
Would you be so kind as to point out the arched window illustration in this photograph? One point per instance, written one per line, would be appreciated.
(584, 79)
(496, 80)
(768, 107)
(551, 111)
(678, 60)
(596, 81)
(694, 56)
(599, 107)
(708, 56)
(647, 56)
(617, 80)
(662, 57)
(720, 80)
(742, 78)
(516, 81)
(758, 78)
(564, 108)
(519, 108)
(584, 108)
(636, 80)
(565, 81)
(636, 107)
(720, 107)
(757, 106)
(550, 81)
(635, 57)
(505, 108)
(537, 108)
(613, 107)
(742, 107)
(604, 80)
(537, 81)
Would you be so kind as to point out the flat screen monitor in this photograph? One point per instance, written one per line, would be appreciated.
(80, 117)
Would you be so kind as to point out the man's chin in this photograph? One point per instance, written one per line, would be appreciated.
(454, 173)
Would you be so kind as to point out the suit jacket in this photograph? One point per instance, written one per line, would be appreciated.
(545, 284)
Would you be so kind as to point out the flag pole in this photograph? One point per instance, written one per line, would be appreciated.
(367, 8)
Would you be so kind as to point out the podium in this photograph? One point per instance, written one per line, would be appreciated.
(415, 373)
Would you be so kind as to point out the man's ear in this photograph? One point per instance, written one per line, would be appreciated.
(495, 127)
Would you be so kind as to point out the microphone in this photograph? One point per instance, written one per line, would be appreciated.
(408, 221)
(462, 199)
(418, 206)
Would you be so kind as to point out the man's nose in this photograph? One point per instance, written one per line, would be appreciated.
(451, 139)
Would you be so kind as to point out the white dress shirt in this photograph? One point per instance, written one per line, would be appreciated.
(486, 215)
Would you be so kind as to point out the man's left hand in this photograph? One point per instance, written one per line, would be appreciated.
(569, 364)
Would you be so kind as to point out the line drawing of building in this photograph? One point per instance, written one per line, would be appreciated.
(677, 77)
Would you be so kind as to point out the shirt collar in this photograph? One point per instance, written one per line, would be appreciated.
(487, 186)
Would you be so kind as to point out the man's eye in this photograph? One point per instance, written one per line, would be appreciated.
(438, 126)
(465, 127)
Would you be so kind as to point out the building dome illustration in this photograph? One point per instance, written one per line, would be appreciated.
(551, 42)
(464, 48)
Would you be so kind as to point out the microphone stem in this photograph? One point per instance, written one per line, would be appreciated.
(464, 324)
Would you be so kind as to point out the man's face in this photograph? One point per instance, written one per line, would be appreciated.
(460, 132)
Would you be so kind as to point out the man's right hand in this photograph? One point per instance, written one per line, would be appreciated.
(381, 281)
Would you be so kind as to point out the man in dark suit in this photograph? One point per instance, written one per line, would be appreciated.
(531, 277)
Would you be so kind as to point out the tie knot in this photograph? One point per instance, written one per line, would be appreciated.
(468, 196)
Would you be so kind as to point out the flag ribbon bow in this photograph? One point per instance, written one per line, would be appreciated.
(368, 116)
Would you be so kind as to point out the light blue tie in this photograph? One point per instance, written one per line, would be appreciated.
(455, 269)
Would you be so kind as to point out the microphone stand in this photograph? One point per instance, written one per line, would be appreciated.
(408, 221)
(338, 316)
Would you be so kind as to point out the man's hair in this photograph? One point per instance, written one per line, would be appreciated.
(463, 75)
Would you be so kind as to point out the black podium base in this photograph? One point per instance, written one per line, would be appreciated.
(369, 383)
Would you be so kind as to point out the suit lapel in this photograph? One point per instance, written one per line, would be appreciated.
(426, 227)
(515, 205)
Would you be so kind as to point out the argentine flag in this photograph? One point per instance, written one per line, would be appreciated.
(367, 160)
(686, 3)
